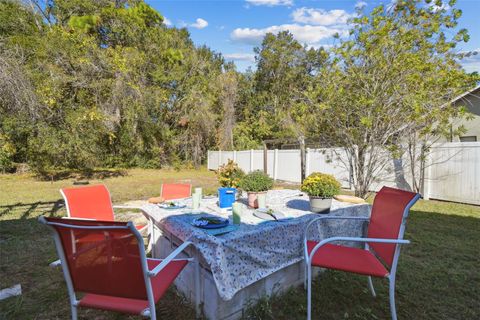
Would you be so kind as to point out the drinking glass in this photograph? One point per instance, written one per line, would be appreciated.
(196, 200)
(262, 200)
(199, 191)
(237, 209)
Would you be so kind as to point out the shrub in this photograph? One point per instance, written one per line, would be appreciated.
(7, 152)
(256, 181)
(230, 174)
(321, 185)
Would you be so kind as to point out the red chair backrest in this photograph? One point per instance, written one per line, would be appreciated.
(175, 191)
(102, 261)
(89, 202)
(387, 217)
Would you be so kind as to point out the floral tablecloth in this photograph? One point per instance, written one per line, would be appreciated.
(257, 248)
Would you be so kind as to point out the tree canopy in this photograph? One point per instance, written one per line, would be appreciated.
(106, 83)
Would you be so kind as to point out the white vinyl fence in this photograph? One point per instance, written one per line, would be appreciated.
(452, 170)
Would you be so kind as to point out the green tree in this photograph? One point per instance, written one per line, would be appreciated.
(104, 83)
(285, 69)
(389, 84)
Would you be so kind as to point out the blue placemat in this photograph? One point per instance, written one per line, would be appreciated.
(276, 221)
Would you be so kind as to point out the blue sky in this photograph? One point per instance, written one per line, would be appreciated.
(235, 27)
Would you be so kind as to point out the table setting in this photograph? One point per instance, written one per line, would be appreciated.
(254, 243)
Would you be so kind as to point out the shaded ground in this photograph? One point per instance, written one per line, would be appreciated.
(438, 274)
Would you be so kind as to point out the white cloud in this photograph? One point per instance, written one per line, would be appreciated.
(321, 17)
(436, 8)
(471, 62)
(250, 57)
(391, 5)
(167, 21)
(321, 45)
(270, 3)
(308, 34)
(199, 24)
(360, 4)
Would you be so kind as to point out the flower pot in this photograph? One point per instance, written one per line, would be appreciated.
(252, 199)
(320, 205)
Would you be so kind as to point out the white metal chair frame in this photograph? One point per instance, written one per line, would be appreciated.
(149, 312)
(391, 276)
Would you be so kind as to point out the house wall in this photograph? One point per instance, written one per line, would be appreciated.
(472, 102)
(472, 126)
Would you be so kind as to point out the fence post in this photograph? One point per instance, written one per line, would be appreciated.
(265, 158)
(275, 164)
(251, 160)
(208, 159)
(302, 158)
(427, 176)
(234, 155)
(307, 162)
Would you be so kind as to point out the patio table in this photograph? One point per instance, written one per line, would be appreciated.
(257, 248)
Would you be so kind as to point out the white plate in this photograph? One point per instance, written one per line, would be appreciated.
(262, 214)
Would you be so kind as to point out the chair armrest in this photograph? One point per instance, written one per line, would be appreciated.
(145, 213)
(167, 260)
(354, 239)
(331, 218)
(328, 218)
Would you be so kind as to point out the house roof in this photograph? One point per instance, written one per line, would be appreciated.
(470, 99)
(477, 88)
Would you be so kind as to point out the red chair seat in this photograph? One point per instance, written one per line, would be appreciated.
(160, 284)
(348, 259)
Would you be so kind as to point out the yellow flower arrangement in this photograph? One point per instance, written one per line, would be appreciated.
(321, 185)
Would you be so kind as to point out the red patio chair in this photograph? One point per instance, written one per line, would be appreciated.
(110, 268)
(170, 191)
(379, 258)
(94, 202)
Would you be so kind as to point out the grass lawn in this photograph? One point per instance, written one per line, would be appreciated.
(438, 275)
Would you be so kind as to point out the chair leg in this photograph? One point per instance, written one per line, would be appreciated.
(370, 286)
(309, 292)
(305, 276)
(74, 311)
(153, 313)
(392, 298)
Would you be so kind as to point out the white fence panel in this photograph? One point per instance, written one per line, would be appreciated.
(257, 160)
(225, 156)
(327, 161)
(453, 172)
(243, 160)
(212, 160)
(270, 162)
(289, 166)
